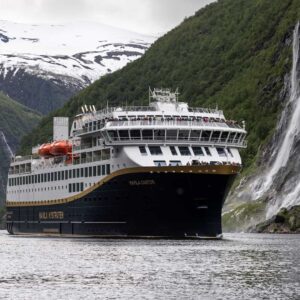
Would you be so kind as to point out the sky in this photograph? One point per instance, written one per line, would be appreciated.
(143, 16)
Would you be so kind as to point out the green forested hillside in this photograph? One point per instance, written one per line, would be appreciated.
(233, 53)
(15, 121)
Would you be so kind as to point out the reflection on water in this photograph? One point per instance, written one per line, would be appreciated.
(242, 266)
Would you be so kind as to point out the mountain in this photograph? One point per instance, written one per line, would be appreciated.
(41, 66)
(236, 54)
(16, 120)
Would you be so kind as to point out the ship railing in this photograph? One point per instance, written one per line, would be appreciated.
(176, 123)
(180, 140)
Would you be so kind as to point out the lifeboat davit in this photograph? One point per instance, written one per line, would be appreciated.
(60, 148)
(44, 150)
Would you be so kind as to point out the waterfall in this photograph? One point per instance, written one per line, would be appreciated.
(7, 148)
(283, 151)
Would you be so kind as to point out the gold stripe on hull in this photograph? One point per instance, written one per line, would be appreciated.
(201, 169)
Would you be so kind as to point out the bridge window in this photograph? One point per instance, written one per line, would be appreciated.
(195, 134)
(147, 134)
(205, 135)
(198, 151)
(215, 135)
(159, 134)
(185, 151)
(183, 134)
(155, 150)
(224, 136)
(123, 135)
(171, 134)
(135, 134)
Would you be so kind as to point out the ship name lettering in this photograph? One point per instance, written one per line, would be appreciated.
(142, 182)
(45, 215)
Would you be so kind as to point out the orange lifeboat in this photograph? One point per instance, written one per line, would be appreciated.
(44, 150)
(60, 148)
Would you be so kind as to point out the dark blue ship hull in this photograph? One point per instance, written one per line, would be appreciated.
(169, 202)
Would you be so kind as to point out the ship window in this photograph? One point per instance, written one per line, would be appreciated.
(70, 174)
(113, 134)
(224, 136)
(171, 134)
(99, 170)
(55, 176)
(66, 174)
(215, 135)
(183, 134)
(173, 150)
(159, 134)
(94, 171)
(107, 169)
(143, 150)
(160, 163)
(195, 134)
(231, 136)
(81, 172)
(230, 152)
(47, 175)
(81, 186)
(77, 187)
(74, 173)
(207, 151)
(175, 163)
(135, 134)
(62, 175)
(155, 150)
(197, 151)
(26, 179)
(184, 150)
(52, 176)
(29, 179)
(205, 135)
(58, 176)
(105, 154)
(221, 151)
(73, 187)
(147, 134)
(123, 134)
(237, 137)
(103, 170)
(90, 171)
(86, 172)
(78, 173)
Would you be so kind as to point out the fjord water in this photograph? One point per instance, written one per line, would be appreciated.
(241, 266)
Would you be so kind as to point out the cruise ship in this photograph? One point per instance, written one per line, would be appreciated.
(156, 171)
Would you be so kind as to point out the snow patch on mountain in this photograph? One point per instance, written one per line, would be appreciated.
(84, 51)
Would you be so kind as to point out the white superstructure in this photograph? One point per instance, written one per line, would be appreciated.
(165, 133)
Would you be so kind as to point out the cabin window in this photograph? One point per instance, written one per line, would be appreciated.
(215, 136)
(81, 186)
(207, 151)
(185, 151)
(231, 136)
(107, 169)
(143, 150)
(90, 171)
(224, 136)
(155, 150)
(78, 173)
(230, 152)
(175, 163)
(160, 163)
(198, 151)
(86, 172)
(221, 151)
(103, 169)
(94, 171)
(66, 174)
(81, 172)
(173, 150)
(62, 175)
(99, 170)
